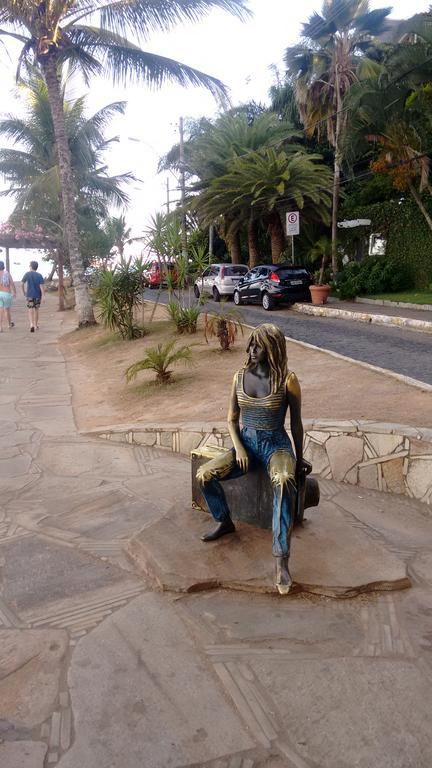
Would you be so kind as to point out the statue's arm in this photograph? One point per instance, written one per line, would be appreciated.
(234, 429)
(294, 401)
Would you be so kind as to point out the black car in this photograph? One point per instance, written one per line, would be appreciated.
(271, 284)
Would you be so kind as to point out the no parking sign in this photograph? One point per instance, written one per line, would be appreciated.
(293, 223)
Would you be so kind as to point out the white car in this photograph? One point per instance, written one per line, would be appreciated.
(220, 280)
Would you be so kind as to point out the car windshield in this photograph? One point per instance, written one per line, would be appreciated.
(235, 270)
(291, 272)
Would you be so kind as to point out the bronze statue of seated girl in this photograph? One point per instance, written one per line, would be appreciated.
(262, 393)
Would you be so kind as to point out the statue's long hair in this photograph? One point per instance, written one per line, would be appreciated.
(271, 338)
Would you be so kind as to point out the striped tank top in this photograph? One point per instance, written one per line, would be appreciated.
(267, 413)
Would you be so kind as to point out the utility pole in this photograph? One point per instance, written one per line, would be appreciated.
(183, 192)
(211, 241)
(168, 195)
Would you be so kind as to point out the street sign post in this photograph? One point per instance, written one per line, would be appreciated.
(293, 223)
(292, 228)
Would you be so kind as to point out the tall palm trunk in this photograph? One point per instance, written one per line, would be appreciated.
(61, 291)
(277, 237)
(83, 302)
(233, 243)
(336, 174)
(254, 256)
(419, 201)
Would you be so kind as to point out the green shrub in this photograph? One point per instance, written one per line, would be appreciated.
(118, 292)
(376, 274)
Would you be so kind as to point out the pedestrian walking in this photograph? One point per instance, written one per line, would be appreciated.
(7, 290)
(32, 285)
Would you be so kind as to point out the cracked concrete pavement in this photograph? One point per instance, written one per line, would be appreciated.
(97, 668)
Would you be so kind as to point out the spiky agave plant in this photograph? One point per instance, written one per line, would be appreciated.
(184, 318)
(159, 359)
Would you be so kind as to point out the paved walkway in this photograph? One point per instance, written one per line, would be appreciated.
(97, 669)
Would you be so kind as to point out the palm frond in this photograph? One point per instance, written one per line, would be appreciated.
(145, 17)
(123, 61)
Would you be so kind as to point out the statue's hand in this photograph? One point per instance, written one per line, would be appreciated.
(242, 459)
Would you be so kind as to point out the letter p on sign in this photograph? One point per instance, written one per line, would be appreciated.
(293, 223)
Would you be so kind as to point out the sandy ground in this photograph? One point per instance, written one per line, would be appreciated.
(331, 388)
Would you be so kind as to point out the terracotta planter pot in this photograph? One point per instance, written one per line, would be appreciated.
(319, 293)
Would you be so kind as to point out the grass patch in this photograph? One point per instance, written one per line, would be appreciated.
(107, 340)
(410, 297)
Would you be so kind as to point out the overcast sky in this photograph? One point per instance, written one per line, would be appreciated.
(239, 54)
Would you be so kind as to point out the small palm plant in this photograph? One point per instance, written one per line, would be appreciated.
(224, 324)
(159, 359)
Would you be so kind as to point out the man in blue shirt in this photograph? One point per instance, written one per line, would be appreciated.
(32, 285)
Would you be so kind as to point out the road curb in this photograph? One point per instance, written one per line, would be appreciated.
(365, 317)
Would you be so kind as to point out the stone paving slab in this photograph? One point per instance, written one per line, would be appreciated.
(30, 669)
(52, 571)
(358, 714)
(141, 667)
(22, 754)
(330, 556)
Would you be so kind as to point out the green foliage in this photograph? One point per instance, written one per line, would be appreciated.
(376, 274)
(118, 233)
(184, 318)
(321, 251)
(201, 259)
(31, 169)
(159, 359)
(409, 239)
(117, 293)
(224, 324)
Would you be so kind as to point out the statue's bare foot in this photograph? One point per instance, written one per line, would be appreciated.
(227, 526)
(283, 578)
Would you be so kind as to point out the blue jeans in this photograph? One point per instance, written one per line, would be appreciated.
(273, 451)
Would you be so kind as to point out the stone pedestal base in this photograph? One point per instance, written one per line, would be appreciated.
(331, 555)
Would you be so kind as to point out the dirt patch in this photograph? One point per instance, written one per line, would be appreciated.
(331, 388)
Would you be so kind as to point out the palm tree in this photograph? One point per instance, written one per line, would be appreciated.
(209, 154)
(268, 183)
(31, 167)
(91, 37)
(160, 359)
(390, 120)
(119, 233)
(324, 67)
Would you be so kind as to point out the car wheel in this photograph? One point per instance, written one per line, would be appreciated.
(197, 291)
(267, 301)
(216, 294)
(237, 299)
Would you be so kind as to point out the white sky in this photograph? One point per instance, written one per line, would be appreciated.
(237, 53)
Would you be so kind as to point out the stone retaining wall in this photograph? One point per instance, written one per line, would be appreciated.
(387, 457)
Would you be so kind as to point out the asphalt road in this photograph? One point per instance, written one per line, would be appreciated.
(403, 351)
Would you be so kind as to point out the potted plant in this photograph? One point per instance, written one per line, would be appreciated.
(321, 288)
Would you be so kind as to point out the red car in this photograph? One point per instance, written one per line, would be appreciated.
(157, 273)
